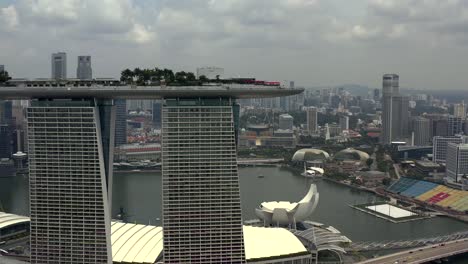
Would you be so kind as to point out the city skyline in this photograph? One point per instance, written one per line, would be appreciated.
(241, 36)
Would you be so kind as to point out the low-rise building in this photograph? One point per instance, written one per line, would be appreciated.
(138, 152)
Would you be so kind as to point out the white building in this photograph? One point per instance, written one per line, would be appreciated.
(457, 162)
(286, 121)
(210, 72)
(59, 65)
(285, 213)
(439, 148)
(459, 110)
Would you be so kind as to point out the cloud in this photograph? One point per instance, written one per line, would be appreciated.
(268, 37)
(86, 19)
(8, 18)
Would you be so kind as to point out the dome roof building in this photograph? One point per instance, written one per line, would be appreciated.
(310, 154)
(351, 154)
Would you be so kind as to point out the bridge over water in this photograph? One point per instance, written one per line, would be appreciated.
(400, 244)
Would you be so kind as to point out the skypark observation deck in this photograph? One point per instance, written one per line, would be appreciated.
(31, 89)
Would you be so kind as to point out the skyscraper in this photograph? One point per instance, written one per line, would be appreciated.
(457, 162)
(59, 65)
(6, 129)
(201, 201)
(84, 70)
(400, 117)
(454, 125)
(459, 110)
(2, 68)
(69, 173)
(311, 120)
(395, 115)
(120, 122)
(157, 112)
(421, 129)
(387, 92)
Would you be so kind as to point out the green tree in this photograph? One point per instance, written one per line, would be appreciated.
(4, 76)
(203, 78)
(386, 181)
(369, 162)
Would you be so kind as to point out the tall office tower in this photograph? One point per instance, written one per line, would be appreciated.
(6, 129)
(311, 120)
(457, 162)
(376, 94)
(400, 118)
(157, 113)
(439, 148)
(454, 125)
(59, 65)
(387, 103)
(286, 122)
(2, 68)
(421, 129)
(459, 110)
(344, 122)
(120, 122)
(70, 164)
(201, 202)
(84, 70)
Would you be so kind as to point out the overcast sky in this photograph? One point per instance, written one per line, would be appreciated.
(314, 42)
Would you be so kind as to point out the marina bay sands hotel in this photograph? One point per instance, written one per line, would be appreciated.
(70, 143)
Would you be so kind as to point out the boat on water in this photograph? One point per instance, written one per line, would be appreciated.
(313, 172)
(261, 176)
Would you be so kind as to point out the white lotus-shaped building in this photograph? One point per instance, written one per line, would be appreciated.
(286, 213)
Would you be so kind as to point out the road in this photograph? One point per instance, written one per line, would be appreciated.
(422, 254)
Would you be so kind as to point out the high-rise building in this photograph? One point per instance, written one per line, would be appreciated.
(457, 162)
(120, 122)
(311, 120)
(286, 122)
(6, 129)
(459, 110)
(200, 182)
(376, 94)
(344, 122)
(421, 129)
(84, 70)
(59, 65)
(454, 125)
(157, 113)
(400, 118)
(387, 99)
(395, 115)
(439, 148)
(2, 68)
(70, 169)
